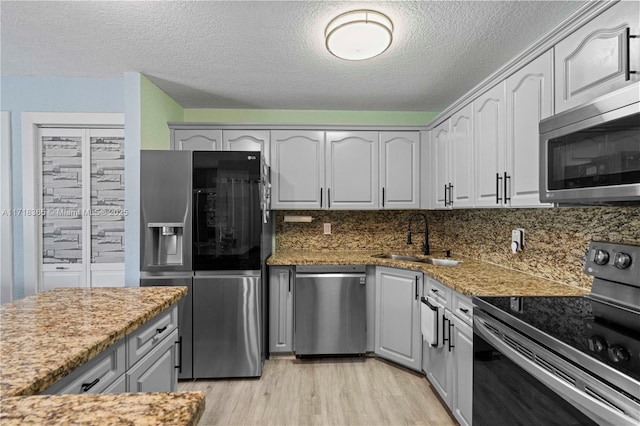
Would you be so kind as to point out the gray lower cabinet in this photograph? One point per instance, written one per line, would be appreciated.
(96, 375)
(462, 335)
(143, 361)
(280, 309)
(156, 372)
(398, 337)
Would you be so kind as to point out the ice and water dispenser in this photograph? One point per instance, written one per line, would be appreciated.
(166, 242)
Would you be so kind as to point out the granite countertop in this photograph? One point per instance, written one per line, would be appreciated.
(471, 277)
(46, 336)
(180, 408)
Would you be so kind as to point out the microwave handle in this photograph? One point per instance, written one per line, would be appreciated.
(628, 71)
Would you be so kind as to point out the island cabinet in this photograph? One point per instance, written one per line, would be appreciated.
(599, 57)
(143, 361)
(281, 309)
(449, 364)
(397, 317)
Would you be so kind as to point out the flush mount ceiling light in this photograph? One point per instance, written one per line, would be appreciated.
(359, 34)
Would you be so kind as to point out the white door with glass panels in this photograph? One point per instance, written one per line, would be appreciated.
(82, 207)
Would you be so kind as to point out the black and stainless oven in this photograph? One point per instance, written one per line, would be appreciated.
(591, 154)
(563, 360)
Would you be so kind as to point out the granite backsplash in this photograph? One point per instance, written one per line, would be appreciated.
(555, 238)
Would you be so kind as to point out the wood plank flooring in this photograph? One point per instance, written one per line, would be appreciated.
(330, 391)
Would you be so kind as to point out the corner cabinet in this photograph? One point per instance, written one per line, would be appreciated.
(280, 309)
(452, 161)
(597, 58)
(397, 318)
(400, 170)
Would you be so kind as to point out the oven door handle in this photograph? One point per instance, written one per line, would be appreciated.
(600, 409)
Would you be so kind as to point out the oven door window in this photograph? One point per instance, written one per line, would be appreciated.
(603, 155)
(505, 394)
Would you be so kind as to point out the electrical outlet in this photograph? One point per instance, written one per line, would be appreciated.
(327, 228)
(517, 240)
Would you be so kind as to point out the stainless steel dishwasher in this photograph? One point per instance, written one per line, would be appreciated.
(330, 310)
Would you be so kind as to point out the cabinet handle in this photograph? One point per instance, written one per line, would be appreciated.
(290, 276)
(87, 386)
(179, 352)
(498, 179)
(628, 72)
(320, 197)
(160, 330)
(445, 196)
(329, 197)
(451, 346)
(434, 290)
(61, 267)
(416, 287)
(450, 194)
(466, 311)
(506, 192)
(444, 338)
(383, 196)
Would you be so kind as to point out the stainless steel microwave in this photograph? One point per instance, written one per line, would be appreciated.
(590, 155)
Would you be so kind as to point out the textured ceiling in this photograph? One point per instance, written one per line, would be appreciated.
(271, 54)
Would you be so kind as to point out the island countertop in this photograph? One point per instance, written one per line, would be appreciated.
(471, 277)
(46, 336)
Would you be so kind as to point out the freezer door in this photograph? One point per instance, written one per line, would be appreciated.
(227, 326)
(185, 320)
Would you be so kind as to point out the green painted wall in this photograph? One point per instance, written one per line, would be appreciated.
(156, 109)
(259, 116)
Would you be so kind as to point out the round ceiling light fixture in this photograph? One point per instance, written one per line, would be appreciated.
(359, 34)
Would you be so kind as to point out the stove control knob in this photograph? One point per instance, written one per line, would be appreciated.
(622, 260)
(618, 354)
(601, 257)
(598, 344)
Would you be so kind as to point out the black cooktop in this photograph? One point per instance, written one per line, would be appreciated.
(601, 331)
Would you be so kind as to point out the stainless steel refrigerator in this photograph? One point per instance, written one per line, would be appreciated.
(205, 224)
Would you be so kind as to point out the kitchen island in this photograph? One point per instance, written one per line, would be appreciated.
(45, 337)
(470, 277)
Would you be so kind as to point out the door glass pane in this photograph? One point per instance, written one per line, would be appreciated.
(62, 199)
(107, 199)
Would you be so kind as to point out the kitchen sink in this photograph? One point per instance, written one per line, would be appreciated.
(398, 257)
(429, 260)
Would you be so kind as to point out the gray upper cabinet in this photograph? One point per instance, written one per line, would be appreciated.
(297, 169)
(489, 139)
(247, 140)
(400, 170)
(196, 139)
(529, 100)
(440, 166)
(592, 61)
(461, 158)
(351, 163)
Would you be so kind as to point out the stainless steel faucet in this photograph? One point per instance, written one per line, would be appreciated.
(425, 244)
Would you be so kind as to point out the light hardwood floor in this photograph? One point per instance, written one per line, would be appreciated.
(331, 391)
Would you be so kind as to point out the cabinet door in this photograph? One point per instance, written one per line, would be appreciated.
(426, 186)
(297, 172)
(400, 170)
(489, 139)
(461, 161)
(247, 140)
(157, 371)
(440, 361)
(440, 165)
(529, 100)
(196, 139)
(280, 310)
(352, 170)
(462, 371)
(593, 60)
(398, 335)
